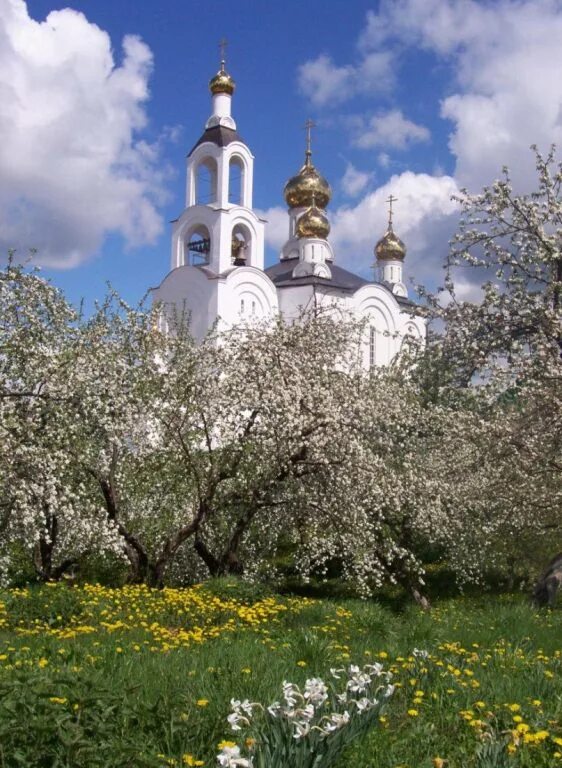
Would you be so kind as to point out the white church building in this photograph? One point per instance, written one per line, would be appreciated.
(217, 270)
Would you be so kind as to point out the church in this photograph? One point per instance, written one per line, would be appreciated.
(217, 271)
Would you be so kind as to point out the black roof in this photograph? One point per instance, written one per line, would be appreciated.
(219, 135)
(281, 275)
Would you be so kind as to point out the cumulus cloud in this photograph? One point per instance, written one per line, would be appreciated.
(506, 71)
(390, 129)
(425, 218)
(354, 181)
(72, 167)
(326, 84)
(502, 94)
(277, 226)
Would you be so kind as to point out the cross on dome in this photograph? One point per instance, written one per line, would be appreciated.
(309, 125)
(222, 48)
(390, 200)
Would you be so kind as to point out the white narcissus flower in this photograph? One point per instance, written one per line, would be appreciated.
(229, 757)
(315, 691)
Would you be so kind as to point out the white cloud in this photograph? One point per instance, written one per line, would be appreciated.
(326, 84)
(506, 64)
(323, 82)
(390, 129)
(383, 159)
(503, 94)
(425, 217)
(354, 181)
(72, 169)
(277, 227)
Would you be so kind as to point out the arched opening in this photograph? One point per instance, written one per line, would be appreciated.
(241, 253)
(372, 347)
(236, 181)
(197, 246)
(206, 182)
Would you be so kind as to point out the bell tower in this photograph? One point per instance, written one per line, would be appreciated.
(218, 229)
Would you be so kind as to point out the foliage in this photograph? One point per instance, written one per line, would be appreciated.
(146, 677)
(120, 442)
(497, 364)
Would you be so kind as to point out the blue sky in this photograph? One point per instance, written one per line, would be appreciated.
(100, 102)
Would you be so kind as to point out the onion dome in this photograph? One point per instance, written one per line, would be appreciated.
(390, 247)
(307, 183)
(222, 82)
(313, 223)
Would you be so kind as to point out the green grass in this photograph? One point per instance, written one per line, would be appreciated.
(98, 677)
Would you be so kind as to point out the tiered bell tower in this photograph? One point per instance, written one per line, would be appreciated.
(218, 229)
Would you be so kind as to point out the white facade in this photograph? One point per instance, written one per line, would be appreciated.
(217, 272)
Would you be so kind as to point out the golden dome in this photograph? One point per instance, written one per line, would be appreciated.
(390, 247)
(307, 183)
(313, 223)
(222, 82)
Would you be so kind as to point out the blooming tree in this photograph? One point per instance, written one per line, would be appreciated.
(498, 365)
(44, 509)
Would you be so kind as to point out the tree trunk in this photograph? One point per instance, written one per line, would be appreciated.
(43, 553)
(420, 599)
(207, 556)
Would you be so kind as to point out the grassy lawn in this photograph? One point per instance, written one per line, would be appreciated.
(96, 677)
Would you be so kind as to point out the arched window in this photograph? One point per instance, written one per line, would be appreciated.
(236, 181)
(206, 182)
(241, 246)
(372, 347)
(197, 246)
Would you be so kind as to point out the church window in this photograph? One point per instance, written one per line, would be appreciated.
(197, 246)
(241, 306)
(235, 181)
(206, 182)
(253, 307)
(372, 347)
(242, 248)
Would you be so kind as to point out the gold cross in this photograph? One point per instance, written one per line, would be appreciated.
(222, 48)
(309, 125)
(390, 200)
